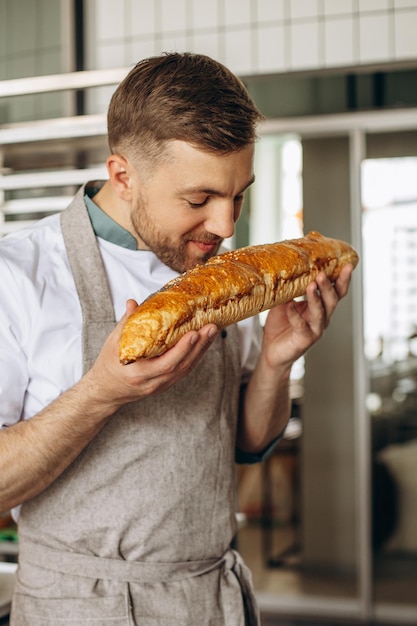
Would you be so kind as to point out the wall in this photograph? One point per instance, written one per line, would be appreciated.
(35, 40)
(255, 36)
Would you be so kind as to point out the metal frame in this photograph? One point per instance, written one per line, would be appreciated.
(356, 126)
(61, 82)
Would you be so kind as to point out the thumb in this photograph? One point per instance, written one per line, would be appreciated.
(131, 306)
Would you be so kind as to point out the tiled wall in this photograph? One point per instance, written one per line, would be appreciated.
(31, 40)
(255, 36)
(35, 40)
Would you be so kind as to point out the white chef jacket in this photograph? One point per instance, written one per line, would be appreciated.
(40, 314)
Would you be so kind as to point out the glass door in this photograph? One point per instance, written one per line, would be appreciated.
(389, 227)
(329, 523)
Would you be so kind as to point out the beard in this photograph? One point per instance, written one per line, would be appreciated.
(173, 252)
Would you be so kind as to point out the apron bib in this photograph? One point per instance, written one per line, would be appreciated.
(138, 529)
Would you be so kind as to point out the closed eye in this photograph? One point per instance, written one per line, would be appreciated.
(196, 205)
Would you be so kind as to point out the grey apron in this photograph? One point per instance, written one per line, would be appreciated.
(137, 530)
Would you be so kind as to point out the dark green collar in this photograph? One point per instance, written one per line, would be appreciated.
(106, 228)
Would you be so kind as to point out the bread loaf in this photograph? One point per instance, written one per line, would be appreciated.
(228, 288)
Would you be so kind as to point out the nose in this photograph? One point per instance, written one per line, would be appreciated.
(221, 219)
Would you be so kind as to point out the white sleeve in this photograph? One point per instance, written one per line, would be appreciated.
(250, 336)
(13, 367)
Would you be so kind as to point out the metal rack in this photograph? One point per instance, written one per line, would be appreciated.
(42, 162)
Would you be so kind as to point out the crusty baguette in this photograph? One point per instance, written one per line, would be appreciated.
(228, 288)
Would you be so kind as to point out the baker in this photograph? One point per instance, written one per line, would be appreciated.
(122, 476)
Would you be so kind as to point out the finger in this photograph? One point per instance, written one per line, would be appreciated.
(193, 345)
(328, 293)
(131, 306)
(319, 305)
(343, 281)
(185, 353)
(331, 293)
(296, 313)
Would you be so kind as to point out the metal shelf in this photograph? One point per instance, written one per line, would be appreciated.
(39, 156)
(53, 129)
(51, 179)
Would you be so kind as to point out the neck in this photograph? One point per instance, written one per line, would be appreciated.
(116, 208)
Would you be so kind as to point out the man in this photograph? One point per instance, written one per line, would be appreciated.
(124, 475)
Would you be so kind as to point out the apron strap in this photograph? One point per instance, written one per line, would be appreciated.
(89, 276)
(146, 572)
(119, 570)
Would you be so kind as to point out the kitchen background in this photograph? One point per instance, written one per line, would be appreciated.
(329, 523)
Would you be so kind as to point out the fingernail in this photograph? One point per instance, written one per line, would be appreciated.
(213, 333)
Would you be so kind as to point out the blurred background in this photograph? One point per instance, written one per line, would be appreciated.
(328, 524)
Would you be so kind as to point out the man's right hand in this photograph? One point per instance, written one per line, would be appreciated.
(116, 384)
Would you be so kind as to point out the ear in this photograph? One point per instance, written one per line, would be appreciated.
(119, 173)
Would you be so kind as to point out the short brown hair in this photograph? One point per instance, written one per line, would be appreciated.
(184, 96)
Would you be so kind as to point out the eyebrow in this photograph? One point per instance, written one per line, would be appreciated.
(215, 192)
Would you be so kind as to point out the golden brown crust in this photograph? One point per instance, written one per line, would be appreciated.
(228, 288)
